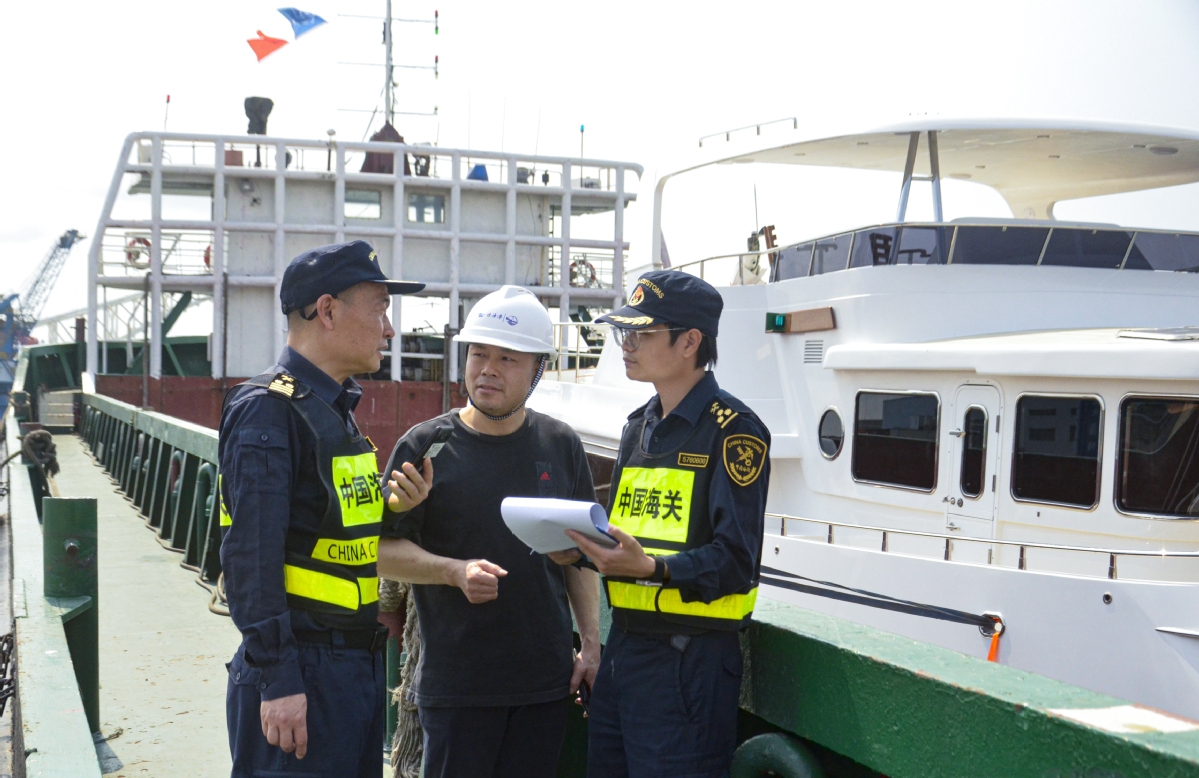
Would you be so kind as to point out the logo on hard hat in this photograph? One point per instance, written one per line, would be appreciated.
(638, 297)
(511, 320)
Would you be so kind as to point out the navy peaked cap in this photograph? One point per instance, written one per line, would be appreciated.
(670, 296)
(333, 269)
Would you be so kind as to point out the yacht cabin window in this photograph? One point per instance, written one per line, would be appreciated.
(900, 246)
(1169, 251)
(974, 451)
(895, 439)
(792, 262)
(999, 245)
(832, 434)
(831, 254)
(1101, 249)
(1056, 458)
(1158, 459)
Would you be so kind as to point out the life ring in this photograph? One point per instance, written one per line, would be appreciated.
(584, 271)
(133, 252)
(208, 256)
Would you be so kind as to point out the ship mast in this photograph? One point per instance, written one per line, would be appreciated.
(388, 85)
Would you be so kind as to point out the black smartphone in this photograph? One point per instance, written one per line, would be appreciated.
(584, 696)
(433, 446)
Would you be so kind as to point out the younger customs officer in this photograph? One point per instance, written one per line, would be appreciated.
(687, 506)
(301, 507)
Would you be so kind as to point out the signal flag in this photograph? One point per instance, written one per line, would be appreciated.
(264, 46)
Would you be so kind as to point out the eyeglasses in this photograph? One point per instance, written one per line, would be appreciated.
(631, 339)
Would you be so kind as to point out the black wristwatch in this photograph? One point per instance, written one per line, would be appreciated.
(659, 575)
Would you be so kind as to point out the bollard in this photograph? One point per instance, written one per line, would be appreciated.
(72, 585)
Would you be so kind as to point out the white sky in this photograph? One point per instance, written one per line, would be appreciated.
(646, 78)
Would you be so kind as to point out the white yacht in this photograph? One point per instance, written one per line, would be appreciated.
(979, 426)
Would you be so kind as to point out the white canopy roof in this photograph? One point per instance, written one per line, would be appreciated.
(1033, 163)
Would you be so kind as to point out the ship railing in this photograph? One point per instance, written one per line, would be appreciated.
(184, 252)
(1100, 247)
(167, 468)
(945, 545)
(579, 345)
(589, 268)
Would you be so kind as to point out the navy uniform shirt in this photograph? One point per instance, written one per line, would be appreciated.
(270, 482)
(731, 560)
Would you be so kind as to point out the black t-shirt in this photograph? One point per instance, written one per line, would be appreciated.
(516, 649)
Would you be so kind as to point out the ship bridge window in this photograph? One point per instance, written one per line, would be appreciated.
(895, 439)
(899, 246)
(426, 208)
(1164, 251)
(999, 245)
(1056, 457)
(1103, 249)
(831, 254)
(364, 204)
(1159, 457)
(793, 262)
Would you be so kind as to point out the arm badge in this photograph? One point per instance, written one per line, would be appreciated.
(744, 456)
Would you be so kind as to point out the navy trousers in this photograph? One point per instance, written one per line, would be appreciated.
(519, 741)
(346, 717)
(665, 707)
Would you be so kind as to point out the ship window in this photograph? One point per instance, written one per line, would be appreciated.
(793, 262)
(1164, 251)
(426, 208)
(974, 451)
(999, 245)
(895, 439)
(832, 434)
(831, 254)
(1057, 450)
(1103, 249)
(364, 204)
(874, 247)
(899, 246)
(1159, 457)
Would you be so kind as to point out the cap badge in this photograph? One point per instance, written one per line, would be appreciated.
(374, 257)
(638, 296)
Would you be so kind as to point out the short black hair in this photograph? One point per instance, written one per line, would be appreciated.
(705, 355)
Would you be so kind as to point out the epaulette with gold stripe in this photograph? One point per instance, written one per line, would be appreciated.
(283, 384)
(723, 413)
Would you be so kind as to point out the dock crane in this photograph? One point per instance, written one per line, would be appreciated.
(19, 311)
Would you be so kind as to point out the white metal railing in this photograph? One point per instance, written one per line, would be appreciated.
(579, 345)
(886, 533)
(202, 164)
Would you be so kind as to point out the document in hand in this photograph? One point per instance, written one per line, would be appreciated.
(541, 522)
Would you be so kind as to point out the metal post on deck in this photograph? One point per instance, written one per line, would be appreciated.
(934, 163)
(908, 168)
(72, 586)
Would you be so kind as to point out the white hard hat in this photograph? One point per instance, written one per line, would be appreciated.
(511, 318)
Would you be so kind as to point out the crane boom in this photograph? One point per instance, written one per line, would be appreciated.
(37, 289)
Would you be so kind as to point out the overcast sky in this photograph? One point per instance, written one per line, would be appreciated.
(646, 78)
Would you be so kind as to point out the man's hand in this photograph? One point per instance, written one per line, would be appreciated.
(409, 488)
(627, 560)
(586, 665)
(565, 558)
(478, 579)
(285, 723)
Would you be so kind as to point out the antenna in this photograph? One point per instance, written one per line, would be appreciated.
(581, 128)
(166, 114)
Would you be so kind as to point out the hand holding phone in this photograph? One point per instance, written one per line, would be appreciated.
(409, 486)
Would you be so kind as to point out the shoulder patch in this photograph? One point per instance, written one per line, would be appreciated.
(282, 384)
(723, 412)
(744, 456)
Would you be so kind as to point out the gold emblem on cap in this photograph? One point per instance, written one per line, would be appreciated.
(652, 286)
(632, 321)
(637, 298)
(374, 257)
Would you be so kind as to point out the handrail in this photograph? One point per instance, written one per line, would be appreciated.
(1113, 554)
(565, 351)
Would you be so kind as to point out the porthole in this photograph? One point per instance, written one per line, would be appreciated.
(832, 434)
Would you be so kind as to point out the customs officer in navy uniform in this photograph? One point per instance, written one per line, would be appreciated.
(301, 506)
(687, 505)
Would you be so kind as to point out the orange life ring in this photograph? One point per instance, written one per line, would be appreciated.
(584, 271)
(133, 252)
(208, 256)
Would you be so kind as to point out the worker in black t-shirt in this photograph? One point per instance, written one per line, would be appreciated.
(687, 507)
(497, 664)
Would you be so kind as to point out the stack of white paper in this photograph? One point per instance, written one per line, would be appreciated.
(541, 522)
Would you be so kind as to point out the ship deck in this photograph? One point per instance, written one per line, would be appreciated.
(162, 653)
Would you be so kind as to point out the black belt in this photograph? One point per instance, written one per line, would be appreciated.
(373, 640)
